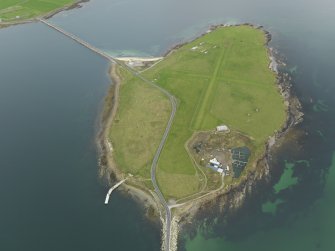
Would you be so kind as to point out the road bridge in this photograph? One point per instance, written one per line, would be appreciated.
(78, 40)
(173, 101)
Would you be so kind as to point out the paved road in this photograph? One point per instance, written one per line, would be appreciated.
(172, 99)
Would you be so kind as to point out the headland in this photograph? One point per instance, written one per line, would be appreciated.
(233, 107)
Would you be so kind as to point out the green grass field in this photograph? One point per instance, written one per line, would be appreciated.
(17, 10)
(219, 78)
(139, 125)
(224, 79)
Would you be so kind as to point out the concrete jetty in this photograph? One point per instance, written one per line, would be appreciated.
(173, 100)
(112, 189)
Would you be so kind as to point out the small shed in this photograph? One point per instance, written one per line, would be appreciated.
(222, 128)
(215, 162)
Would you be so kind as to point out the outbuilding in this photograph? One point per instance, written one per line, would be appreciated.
(222, 128)
(215, 162)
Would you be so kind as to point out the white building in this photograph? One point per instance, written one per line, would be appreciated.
(222, 128)
(216, 166)
(215, 162)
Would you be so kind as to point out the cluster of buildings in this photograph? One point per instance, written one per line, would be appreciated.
(135, 63)
(239, 158)
(215, 165)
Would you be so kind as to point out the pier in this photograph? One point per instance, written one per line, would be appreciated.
(112, 189)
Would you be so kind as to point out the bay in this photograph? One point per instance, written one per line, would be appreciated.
(51, 93)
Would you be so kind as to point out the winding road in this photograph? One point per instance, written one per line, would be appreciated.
(168, 214)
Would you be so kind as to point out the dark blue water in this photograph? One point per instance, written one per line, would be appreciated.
(50, 93)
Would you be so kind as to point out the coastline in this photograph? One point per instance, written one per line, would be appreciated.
(107, 165)
(233, 196)
(142, 59)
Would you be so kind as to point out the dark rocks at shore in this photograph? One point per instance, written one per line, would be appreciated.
(222, 206)
(225, 205)
(173, 48)
(75, 5)
(228, 202)
(268, 35)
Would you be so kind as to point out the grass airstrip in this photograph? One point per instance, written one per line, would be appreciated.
(17, 10)
(220, 78)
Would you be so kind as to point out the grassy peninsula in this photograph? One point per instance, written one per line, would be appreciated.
(14, 11)
(220, 78)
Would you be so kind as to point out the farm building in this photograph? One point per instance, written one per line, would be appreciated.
(220, 170)
(215, 162)
(222, 128)
(216, 166)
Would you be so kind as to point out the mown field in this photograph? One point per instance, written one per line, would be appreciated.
(219, 78)
(224, 79)
(138, 126)
(16, 10)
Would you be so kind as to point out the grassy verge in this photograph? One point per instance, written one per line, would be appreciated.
(138, 126)
(19, 10)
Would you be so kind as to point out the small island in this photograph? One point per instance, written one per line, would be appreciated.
(212, 107)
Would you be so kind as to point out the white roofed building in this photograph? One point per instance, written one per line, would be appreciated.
(215, 162)
(222, 128)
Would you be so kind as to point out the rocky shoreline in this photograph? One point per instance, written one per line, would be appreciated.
(70, 7)
(233, 197)
(108, 169)
(227, 199)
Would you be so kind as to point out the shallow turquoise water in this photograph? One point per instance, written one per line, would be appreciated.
(312, 229)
